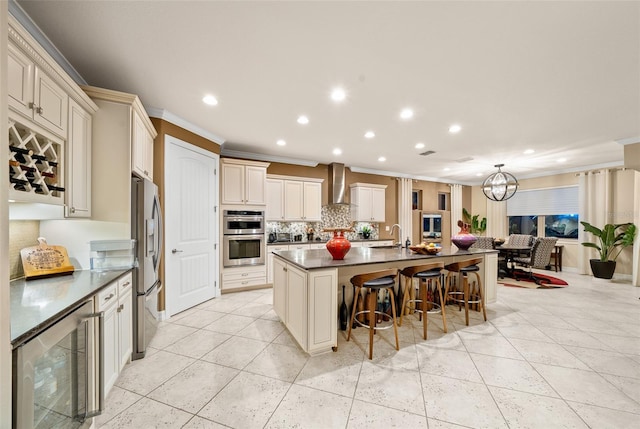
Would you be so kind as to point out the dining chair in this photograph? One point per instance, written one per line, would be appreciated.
(539, 257)
(520, 240)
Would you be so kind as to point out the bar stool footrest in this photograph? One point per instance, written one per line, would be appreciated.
(387, 324)
(476, 298)
(436, 310)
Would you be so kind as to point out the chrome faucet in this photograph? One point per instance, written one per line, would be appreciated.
(399, 243)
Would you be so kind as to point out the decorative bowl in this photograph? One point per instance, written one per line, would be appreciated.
(425, 250)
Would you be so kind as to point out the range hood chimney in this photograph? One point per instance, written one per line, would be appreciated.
(337, 183)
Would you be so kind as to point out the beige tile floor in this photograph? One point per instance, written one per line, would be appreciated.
(547, 358)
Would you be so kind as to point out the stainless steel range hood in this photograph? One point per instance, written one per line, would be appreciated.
(337, 184)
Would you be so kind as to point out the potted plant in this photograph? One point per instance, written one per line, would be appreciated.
(476, 226)
(611, 240)
(366, 231)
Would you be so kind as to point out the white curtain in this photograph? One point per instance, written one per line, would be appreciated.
(405, 188)
(497, 226)
(595, 204)
(456, 208)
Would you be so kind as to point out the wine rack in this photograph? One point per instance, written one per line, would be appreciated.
(35, 169)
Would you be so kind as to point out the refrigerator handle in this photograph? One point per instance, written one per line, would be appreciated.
(157, 214)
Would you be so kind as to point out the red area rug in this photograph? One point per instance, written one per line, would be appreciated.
(522, 279)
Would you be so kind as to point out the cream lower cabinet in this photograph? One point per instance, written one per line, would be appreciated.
(116, 303)
(306, 301)
(243, 277)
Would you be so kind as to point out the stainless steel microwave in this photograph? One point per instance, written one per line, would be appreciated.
(236, 222)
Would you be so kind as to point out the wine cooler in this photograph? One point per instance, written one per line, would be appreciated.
(35, 173)
(57, 374)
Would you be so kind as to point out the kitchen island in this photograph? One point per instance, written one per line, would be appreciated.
(306, 285)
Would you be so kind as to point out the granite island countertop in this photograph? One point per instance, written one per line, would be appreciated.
(37, 304)
(321, 258)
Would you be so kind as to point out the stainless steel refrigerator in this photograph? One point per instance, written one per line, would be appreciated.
(146, 228)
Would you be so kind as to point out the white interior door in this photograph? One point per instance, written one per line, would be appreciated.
(191, 225)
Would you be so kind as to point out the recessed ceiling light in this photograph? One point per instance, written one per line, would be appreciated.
(406, 113)
(369, 134)
(455, 128)
(528, 151)
(281, 142)
(419, 145)
(210, 100)
(446, 169)
(303, 120)
(337, 151)
(478, 174)
(382, 159)
(338, 94)
(561, 160)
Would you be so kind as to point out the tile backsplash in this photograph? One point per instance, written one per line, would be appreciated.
(333, 216)
(22, 233)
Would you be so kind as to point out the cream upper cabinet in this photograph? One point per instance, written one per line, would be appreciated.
(50, 128)
(294, 198)
(368, 201)
(35, 94)
(243, 182)
(78, 194)
(120, 120)
(275, 200)
(312, 201)
(142, 147)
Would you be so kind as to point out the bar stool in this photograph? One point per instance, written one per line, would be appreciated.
(374, 282)
(424, 274)
(470, 266)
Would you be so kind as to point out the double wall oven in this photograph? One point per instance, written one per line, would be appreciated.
(243, 232)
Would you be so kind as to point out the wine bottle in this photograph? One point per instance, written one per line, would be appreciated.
(47, 174)
(343, 312)
(55, 188)
(353, 305)
(20, 150)
(39, 157)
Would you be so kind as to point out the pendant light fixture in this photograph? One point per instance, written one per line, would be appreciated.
(500, 186)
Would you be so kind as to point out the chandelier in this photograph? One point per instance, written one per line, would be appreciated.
(500, 185)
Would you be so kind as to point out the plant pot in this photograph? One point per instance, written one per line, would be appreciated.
(602, 269)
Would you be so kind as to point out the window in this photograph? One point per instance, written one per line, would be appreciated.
(561, 226)
(443, 201)
(523, 225)
(546, 212)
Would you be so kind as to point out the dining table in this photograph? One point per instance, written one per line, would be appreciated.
(510, 251)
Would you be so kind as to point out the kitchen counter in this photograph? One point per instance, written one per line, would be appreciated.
(321, 258)
(279, 242)
(305, 285)
(37, 304)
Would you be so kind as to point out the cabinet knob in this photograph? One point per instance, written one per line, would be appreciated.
(176, 251)
(32, 106)
(39, 110)
(72, 209)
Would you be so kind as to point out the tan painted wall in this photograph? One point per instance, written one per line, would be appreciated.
(632, 156)
(167, 128)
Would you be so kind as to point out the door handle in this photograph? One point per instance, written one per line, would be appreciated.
(176, 251)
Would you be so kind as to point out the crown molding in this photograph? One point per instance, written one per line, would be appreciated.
(270, 158)
(183, 123)
(629, 140)
(32, 28)
(406, 176)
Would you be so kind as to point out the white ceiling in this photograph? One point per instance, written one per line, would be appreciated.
(562, 78)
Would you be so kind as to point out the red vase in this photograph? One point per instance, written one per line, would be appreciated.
(463, 240)
(338, 246)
